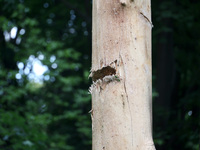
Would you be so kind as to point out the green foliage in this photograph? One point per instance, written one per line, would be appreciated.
(49, 114)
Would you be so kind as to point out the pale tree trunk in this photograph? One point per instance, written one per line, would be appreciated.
(121, 72)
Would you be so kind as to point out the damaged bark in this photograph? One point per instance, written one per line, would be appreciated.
(100, 74)
(121, 74)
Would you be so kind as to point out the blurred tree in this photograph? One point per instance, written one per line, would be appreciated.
(175, 47)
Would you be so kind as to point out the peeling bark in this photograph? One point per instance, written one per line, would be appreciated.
(148, 20)
(121, 73)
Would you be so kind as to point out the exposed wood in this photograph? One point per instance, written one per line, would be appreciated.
(121, 66)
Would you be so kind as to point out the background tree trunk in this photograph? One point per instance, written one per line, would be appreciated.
(122, 74)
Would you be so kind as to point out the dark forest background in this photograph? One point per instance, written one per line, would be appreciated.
(50, 111)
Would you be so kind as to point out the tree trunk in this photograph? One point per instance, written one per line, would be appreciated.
(121, 73)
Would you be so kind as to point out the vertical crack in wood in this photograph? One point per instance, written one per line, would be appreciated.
(127, 98)
(125, 80)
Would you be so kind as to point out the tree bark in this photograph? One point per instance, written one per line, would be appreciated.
(122, 75)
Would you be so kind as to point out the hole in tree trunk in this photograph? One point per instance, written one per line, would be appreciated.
(100, 74)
